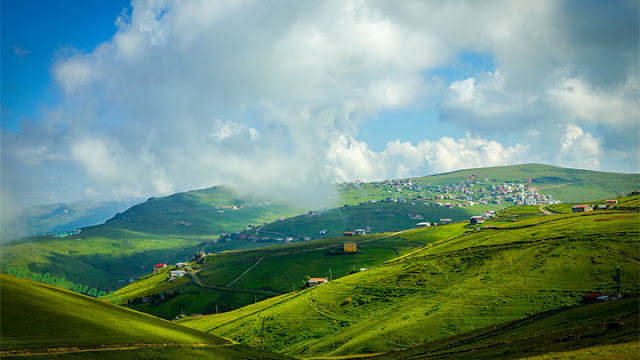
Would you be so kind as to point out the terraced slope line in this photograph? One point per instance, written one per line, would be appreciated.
(36, 315)
(482, 279)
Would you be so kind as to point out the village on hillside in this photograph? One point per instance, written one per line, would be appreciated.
(470, 192)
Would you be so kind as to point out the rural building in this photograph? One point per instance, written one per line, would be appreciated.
(180, 265)
(445, 221)
(348, 233)
(357, 232)
(159, 266)
(423, 224)
(592, 297)
(350, 246)
(316, 281)
(176, 274)
(611, 202)
(581, 208)
(530, 201)
(475, 220)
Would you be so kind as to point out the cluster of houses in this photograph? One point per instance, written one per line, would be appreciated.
(59, 234)
(467, 193)
(173, 274)
(356, 232)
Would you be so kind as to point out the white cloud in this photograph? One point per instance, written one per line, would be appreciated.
(579, 149)
(619, 107)
(273, 95)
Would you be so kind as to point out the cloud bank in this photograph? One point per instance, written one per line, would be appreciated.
(271, 96)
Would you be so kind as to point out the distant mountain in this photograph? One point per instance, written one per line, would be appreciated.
(61, 217)
(166, 229)
(209, 211)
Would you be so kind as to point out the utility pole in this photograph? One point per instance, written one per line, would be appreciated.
(255, 298)
(216, 308)
(330, 275)
(261, 338)
(618, 280)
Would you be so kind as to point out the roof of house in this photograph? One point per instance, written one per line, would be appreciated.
(581, 206)
(594, 295)
(160, 264)
(318, 279)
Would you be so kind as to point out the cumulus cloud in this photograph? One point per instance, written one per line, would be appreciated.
(272, 96)
(579, 149)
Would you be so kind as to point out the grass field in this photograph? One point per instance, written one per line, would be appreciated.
(379, 217)
(450, 287)
(598, 331)
(35, 315)
(322, 258)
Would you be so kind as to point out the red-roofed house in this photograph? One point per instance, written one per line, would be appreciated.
(157, 267)
(581, 208)
(475, 220)
(611, 202)
(316, 281)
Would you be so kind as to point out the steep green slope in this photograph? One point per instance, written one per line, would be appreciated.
(42, 321)
(607, 330)
(453, 286)
(35, 315)
(203, 212)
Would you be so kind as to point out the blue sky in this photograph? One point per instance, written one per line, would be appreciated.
(119, 100)
(34, 34)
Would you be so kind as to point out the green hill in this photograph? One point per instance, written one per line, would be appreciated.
(230, 280)
(209, 211)
(484, 278)
(173, 228)
(36, 315)
(166, 230)
(564, 184)
(39, 319)
(597, 331)
(375, 217)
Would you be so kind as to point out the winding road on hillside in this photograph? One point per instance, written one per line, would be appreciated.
(324, 247)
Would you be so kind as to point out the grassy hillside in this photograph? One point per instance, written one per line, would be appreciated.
(203, 212)
(450, 287)
(378, 217)
(38, 319)
(564, 184)
(233, 279)
(36, 315)
(173, 228)
(167, 230)
(597, 331)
